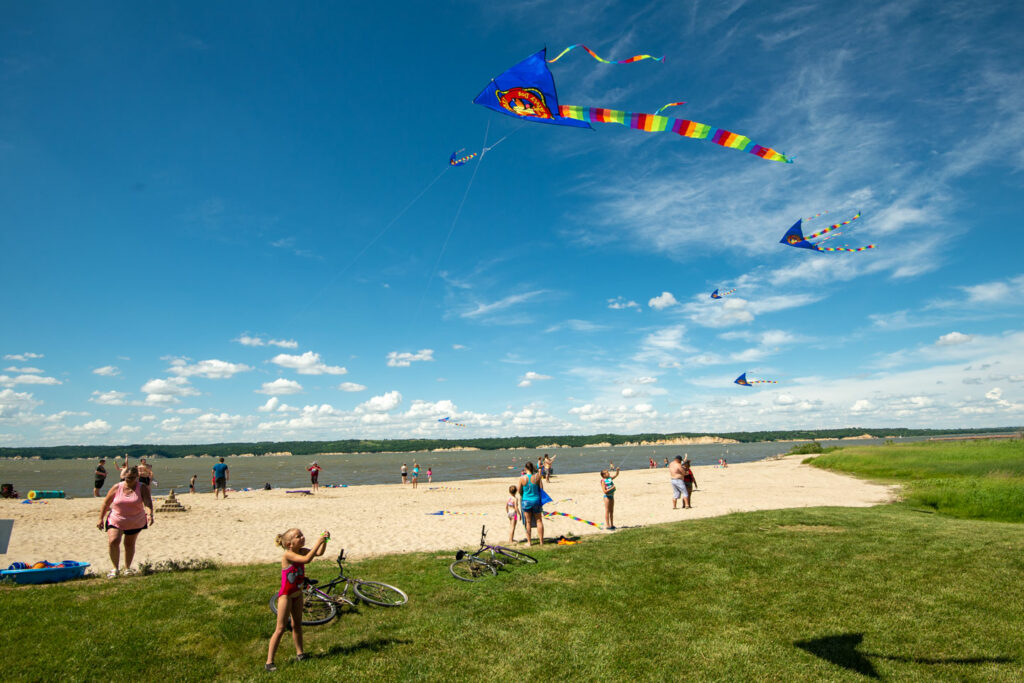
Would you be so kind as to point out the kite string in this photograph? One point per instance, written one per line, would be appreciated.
(455, 220)
(380, 234)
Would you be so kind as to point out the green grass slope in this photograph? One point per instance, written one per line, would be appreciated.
(797, 595)
(970, 480)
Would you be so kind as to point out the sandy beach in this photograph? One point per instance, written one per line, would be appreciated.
(392, 518)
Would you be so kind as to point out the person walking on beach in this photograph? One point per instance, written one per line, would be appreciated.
(192, 484)
(690, 482)
(512, 510)
(99, 478)
(123, 516)
(676, 475)
(314, 476)
(415, 474)
(430, 474)
(608, 489)
(289, 596)
(405, 473)
(530, 487)
(220, 479)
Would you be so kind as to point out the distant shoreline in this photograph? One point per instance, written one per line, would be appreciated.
(382, 446)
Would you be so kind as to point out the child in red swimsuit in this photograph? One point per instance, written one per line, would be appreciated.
(289, 597)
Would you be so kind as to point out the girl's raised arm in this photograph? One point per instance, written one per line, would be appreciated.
(305, 558)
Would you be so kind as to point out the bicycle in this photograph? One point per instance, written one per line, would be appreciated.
(473, 567)
(321, 603)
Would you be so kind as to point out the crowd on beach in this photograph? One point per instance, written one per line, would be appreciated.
(127, 510)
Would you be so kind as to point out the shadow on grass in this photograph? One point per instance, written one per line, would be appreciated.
(841, 650)
(373, 645)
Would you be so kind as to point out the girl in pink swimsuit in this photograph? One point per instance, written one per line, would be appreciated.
(289, 597)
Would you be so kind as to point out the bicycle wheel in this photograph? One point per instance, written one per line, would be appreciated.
(382, 594)
(315, 610)
(471, 568)
(514, 555)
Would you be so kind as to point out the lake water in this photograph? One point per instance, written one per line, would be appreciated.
(75, 477)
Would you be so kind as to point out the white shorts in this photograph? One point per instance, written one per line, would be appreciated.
(679, 489)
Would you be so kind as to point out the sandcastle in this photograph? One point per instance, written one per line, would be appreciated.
(172, 504)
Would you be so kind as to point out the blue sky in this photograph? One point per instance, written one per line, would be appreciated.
(235, 222)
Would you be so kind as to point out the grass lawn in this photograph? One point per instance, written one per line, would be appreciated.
(799, 595)
(970, 480)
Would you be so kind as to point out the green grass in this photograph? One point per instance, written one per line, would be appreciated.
(798, 595)
(970, 480)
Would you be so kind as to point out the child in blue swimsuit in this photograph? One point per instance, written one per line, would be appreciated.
(608, 488)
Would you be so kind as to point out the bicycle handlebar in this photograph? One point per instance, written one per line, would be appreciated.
(341, 556)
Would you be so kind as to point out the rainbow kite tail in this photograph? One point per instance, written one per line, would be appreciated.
(593, 54)
(652, 123)
(670, 104)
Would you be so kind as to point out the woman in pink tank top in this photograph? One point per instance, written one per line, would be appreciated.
(123, 516)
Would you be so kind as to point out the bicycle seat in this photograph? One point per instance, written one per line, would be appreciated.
(312, 582)
(459, 555)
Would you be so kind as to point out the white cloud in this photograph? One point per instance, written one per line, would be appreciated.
(576, 326)
(246, 340)
(16, 405)
(107, 371)
(22, 357)
(619, 303)
(28, 379)
(646, 380)
(280, 387)
(109, 398)
(404, 359)
(861, 406)
(25, 370)
(662, 301)
(531, 377)
(167, 391)
(129, 429)
(308, 363)
(271, 405)
(501, 304)
(953, 339)
(92, 427)
(351, 386)
(210, 369)
(1008, 291)
(382, 403)
(458, 347)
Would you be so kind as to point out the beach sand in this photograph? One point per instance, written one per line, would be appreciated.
(392, 518)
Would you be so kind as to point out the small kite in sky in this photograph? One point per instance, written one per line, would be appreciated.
(744, 382)
(448, 420)
(527, 91)
(716, 295)
(794, 237)
(453, 161)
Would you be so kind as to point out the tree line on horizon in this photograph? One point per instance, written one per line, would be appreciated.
(485, 444)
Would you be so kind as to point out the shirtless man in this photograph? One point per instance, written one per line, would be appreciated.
(676, 477)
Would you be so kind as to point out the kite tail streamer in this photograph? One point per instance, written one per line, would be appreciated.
(554, 513)
(817, 215)
(653, 123)
(727, 293)
(865, 248)
(832, 227)
(593, 54)
(459, 162)
(670, 104)
(762, 381)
